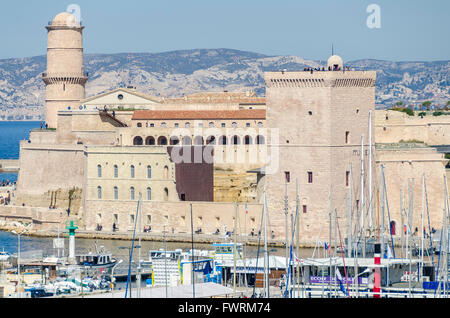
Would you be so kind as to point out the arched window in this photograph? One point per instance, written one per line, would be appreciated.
(132, 196)
(234, 125)
(260, 124)
(223, 140)
(187, 141)
(149, 172)
(164, 125)
(166, 172)
(236, 140)
(116, 193)
(99, 193)
(188, 125)
(166, 194)
(116, 171)
(139, 125)
(149, 194)
(211, 124)
(198, 141)
(248, 140)
(99, 171)
(260, 140)
(137, 141)
(150, 141)
(162, 141)
(174, 140)
(132, 172)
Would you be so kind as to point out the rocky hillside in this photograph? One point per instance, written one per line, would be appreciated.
(174, 74)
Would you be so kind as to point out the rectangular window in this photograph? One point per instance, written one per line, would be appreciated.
(310, 177)
(131, 219)
(347, 137)
(149, 219)
(347, 178)
(305, 209)
(116, 218)
(183, 197)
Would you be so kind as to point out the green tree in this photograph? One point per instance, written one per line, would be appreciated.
(426, 104)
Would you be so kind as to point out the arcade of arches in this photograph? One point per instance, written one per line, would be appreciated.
(199, 140)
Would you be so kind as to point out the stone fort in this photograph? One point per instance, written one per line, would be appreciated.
(314, 145)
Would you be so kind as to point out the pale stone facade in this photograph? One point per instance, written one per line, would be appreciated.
(320, 118)
(405, 165)
(393, 126)
(174, 217)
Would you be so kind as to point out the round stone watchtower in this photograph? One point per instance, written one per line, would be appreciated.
(65, 79)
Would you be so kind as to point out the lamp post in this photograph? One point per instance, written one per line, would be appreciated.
(18, 260)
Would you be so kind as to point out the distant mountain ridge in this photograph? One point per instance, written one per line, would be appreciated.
(176, 73)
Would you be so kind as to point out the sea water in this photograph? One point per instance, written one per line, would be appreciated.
(11, 133)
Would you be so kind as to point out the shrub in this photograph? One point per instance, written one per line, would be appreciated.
(408, 111)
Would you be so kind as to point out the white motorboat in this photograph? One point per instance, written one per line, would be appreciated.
(4, 256)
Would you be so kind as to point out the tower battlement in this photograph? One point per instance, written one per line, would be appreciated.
(344, 78)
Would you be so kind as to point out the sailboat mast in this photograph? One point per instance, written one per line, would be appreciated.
(421, 228)
(138, 275)
(298, 234)
(363, 234)
(286, 212)
(330, 235)
(403, 222)
(410, 224)
(446, 239)
(383, 202)
(266, 255)
(370, 171)
(234, 245)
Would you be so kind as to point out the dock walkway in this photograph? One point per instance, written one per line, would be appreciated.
(9, 165)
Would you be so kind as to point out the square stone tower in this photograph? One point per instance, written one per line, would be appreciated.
(321, 117)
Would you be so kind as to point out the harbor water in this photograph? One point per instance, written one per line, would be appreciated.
(11, 133)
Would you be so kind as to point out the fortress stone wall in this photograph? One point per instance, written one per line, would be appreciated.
(49, 168)
(174, 217)
(393, 126)
(405, 166)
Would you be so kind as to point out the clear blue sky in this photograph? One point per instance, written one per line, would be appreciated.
(411, 30)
